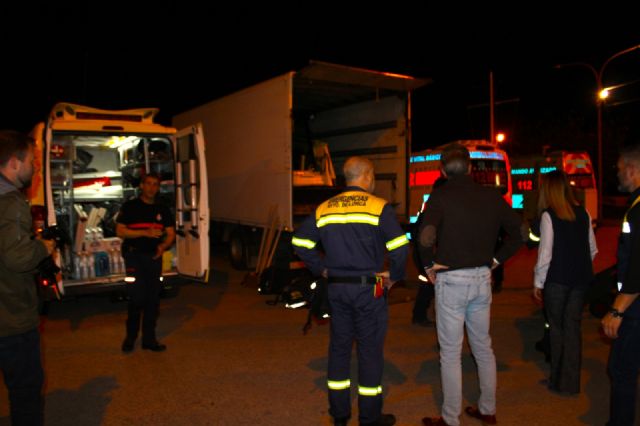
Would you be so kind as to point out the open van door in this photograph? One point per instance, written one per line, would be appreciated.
(40, 194)
(192, 204)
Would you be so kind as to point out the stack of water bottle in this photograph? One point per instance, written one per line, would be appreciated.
(100, 256)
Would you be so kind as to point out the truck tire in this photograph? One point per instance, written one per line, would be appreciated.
(238, 249)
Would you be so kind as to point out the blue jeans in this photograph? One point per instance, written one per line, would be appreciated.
(624, 364)
(21, 366)
(563, 306)
(463, 298)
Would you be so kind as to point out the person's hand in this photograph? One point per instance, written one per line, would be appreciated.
(152, 233)
(159, 250)
(431, 272)
(537, 294)
(50, 245)
(386, 279)
(610, 325)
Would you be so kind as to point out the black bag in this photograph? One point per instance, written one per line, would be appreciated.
(275, 280)
(602, 291)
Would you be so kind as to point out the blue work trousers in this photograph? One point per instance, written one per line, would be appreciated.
(356, 315)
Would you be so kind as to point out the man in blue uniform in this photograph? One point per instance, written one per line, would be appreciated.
(354, 229)
(622, 323)
(148, 230)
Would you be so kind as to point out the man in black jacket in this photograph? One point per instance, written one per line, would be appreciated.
(622, 323)
(147, 229)
(463, 219)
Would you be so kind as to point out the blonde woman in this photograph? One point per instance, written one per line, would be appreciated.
(562, 273)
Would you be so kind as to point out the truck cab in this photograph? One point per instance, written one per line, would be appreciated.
(88, 163)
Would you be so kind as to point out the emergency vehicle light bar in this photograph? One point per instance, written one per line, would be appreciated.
(110, 117)
(475, 155)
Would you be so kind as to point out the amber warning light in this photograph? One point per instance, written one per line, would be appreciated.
(109, 117)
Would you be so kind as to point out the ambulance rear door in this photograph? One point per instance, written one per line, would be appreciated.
(192, 204)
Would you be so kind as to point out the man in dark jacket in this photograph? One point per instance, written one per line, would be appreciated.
(622, 323)
(463, 219)
(20, 254)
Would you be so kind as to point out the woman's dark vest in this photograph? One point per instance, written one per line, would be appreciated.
(571, 256)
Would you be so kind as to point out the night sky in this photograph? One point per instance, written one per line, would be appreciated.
(176, 57)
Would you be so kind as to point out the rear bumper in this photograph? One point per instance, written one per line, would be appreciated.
(99, 285)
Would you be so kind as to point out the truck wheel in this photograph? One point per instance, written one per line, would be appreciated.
(238, 249)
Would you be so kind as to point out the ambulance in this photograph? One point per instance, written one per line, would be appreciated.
(88, 162)
(526, 172)
(489, 167)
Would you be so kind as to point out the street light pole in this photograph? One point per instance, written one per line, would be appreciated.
(599, 104)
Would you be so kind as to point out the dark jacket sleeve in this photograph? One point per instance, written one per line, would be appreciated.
(305, 241)
(432, 216)
(631, 280)
(516, 232)
(19, 251)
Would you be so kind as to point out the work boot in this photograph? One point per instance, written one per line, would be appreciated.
(155, 346)
(384, 420)
(128, 344)
(342, 421)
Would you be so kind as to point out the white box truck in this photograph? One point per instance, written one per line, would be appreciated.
(263, 145)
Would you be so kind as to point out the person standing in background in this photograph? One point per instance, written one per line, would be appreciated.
(622, 323)
(458, 235)
(426, 291)
(147, 229)
(563, 271)
(20, 255)
(355, 227)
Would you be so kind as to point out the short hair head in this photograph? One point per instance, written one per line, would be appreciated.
(455, 160)
(355, 168)
(630, 154)
(13, 143)
(147, 176)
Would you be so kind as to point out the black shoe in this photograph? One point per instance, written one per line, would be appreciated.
(384, 420)
(155, 347)
(423, 322)
(342, 421)
(127, 345)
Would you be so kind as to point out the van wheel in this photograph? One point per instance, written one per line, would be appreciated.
(238, 249)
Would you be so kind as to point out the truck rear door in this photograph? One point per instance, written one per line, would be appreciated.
(192, 204)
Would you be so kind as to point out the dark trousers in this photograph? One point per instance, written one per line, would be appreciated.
(423, 301)
(563, 306)
(357, 315)
(144, 295)
(624, 365)
(21, 366)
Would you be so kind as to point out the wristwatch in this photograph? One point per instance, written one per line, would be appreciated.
(616, 313)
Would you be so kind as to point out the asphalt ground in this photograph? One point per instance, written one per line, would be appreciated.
(233, 359)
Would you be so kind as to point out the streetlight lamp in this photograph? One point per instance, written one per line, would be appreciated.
(601, 96)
